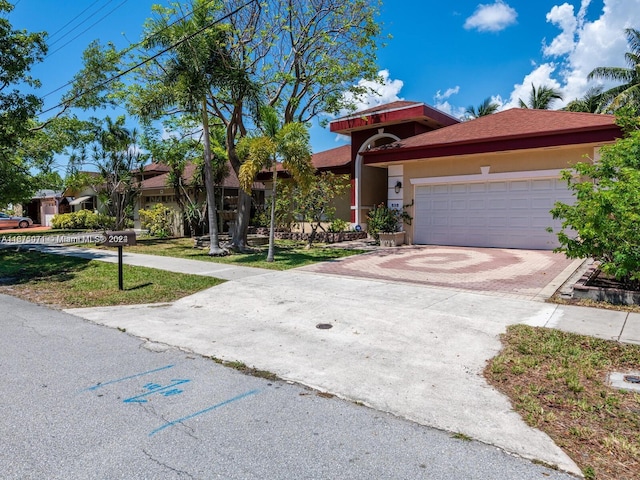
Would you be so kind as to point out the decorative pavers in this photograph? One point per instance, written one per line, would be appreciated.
(489, 270)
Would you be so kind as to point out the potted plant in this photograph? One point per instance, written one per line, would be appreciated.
(385, 225)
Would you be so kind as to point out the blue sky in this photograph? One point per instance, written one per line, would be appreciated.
(447, 54)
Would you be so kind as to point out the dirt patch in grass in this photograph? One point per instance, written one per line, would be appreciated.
(70, 282)
(557, 381)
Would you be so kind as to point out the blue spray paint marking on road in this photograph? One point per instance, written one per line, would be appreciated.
(157, 388)
(100, 385)
(206, 410)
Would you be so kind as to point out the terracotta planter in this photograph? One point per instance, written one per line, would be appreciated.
(394, 239)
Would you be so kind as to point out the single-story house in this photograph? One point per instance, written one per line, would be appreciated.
(44, 205)
(155, 189)
(487, 182)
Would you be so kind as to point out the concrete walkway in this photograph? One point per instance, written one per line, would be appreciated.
(171, 264)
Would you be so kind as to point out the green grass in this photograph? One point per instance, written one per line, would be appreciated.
(288, 254)
(69, 282)
(557, 381)
(29, 232)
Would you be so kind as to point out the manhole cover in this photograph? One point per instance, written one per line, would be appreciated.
(324, 326)
(632, 378)
(625, 381)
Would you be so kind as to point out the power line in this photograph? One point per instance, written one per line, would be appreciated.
(153, 57)
(87, 29)
(131, 47)
(73, 20)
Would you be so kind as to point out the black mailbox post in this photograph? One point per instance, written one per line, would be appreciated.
(119, 239)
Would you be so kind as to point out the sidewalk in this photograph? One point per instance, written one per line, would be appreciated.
(171, 264)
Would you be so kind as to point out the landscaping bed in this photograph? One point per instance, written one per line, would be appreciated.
(321, 237)
(600, 287)
(559, 383)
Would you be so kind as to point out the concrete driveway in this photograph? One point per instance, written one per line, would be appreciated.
(530, 274)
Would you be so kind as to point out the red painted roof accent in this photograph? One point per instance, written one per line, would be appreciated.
(507, 130)
(397, 105)
(391, 114)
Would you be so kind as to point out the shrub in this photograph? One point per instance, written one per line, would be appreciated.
(603, 222)
(157, 220)
(82, 219)
(382, 219)
(338, 225)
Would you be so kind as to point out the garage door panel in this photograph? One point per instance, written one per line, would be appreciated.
(477, 187)
(497, 186)
(507, 214)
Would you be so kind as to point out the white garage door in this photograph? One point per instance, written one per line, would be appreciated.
(505, 214)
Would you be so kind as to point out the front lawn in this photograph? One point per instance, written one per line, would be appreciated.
(557, 381)
(70, 282)
(288, 254)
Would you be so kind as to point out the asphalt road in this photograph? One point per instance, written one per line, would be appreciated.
(88, 402)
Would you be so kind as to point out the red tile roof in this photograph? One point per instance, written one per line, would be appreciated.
(160, 181)
(153, 167)
(506, 130)
(335, 157)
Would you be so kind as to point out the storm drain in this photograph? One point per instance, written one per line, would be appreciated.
(625, 381)
(324, 326)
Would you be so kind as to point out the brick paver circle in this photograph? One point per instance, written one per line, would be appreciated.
(493, 270)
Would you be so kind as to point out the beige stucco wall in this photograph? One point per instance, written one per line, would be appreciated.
(374, 182)
(342, 203)
(525, 160)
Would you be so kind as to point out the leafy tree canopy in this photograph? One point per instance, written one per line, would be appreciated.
(603, 222)
(20, 50)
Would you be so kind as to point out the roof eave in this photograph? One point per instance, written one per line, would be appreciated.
(498, 144)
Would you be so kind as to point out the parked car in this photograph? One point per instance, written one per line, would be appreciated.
(8, 221)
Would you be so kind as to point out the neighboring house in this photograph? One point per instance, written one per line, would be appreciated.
(44, 205)
(155, 189)
(488, 182)
(83, 198)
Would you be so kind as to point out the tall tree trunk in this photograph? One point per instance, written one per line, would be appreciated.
(272, 225)
(214, 246)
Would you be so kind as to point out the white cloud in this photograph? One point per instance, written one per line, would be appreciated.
(384, 91)
(564, 18)
(441, 103)
(580, 47)
(448, 92)
(541, 76)
(491, 18)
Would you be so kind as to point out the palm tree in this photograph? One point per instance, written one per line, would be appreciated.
(185, 80)
(542, 98)
(628, 93)
(288, 144)
(589, 103)
(485, 108)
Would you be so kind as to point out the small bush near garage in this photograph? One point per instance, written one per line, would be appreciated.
(82, 219)
(606, 213)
